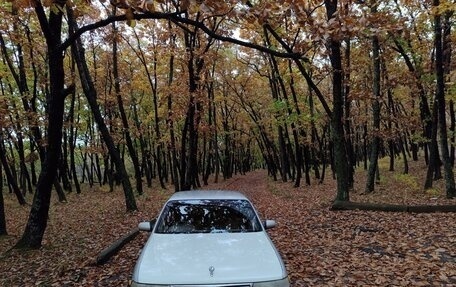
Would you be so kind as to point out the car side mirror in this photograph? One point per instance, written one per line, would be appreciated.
(147, 225)
(268, 224)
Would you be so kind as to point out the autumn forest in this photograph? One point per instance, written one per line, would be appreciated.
(132, 96)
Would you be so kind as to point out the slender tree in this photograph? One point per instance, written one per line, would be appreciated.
(91, 95)
(337, 128)
(123, 115)
(51, 26)
(375, 143)
(441, 105)
(3, 230)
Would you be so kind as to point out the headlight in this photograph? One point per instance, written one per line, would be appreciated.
(278, 283)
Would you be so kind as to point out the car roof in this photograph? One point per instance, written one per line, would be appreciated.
(207, 194)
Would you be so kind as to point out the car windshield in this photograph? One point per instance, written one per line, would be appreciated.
(208, 216)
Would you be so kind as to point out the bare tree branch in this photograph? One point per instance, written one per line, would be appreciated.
(178, 20)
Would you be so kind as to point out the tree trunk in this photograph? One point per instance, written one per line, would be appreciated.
(11, 180)
(153, 82)
(91, 95)
(190, 133)
(123, 116)
(433, 171)
(310, 83)
(22, 84)
(316, 154)
(72, 141)
(64, 166)
(226, 160)
(297, 144)
(37, 221)
(170, 121)
(404, 154)
(59, 190)
(390, 110)
(447, 54)
(287, 155)
(425, 111)
(1, 177)
(440, 100)
(211, 138)
(337, 128)
(159, 155)
(2, 210)
(452, 133)
(375, 144)
(24, 177)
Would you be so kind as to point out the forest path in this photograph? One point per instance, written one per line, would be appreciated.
(356, 248)
(320, 247)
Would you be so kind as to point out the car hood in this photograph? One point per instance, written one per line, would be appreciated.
(190, 258)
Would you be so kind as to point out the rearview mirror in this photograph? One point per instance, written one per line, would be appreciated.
(268, 224)
(147, 225)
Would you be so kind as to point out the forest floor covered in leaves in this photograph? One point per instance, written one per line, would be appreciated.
(320, 247)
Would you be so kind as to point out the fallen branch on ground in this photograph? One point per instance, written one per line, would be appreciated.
(348, 205)
(110, 251)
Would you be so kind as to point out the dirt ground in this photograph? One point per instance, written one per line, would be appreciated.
(319, 247)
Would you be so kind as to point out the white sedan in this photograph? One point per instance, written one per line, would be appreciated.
(209, 238)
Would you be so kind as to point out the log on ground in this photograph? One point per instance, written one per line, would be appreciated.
(349, 205)
(110, 251)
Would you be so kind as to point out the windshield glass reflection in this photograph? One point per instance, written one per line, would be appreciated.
(208, 216)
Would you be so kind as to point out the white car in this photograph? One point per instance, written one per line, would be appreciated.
(209, 238)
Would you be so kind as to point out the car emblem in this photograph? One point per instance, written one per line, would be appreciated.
(211, 270)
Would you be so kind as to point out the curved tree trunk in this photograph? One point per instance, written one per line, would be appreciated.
(11, 180)
(91, 95)
(21, 81)
(425, 111)
(298, 147)
(37, 222)
(72, 141)
(123, 115)
(59, 190)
